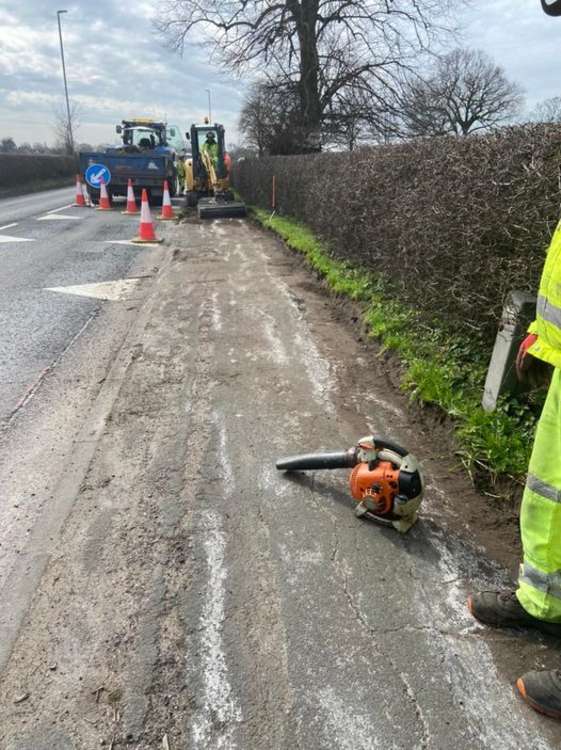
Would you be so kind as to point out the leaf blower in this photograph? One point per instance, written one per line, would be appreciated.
(385, 480)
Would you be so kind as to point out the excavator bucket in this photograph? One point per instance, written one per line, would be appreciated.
(218, 208)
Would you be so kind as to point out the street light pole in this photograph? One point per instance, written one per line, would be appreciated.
(70, 137)
(209, 109)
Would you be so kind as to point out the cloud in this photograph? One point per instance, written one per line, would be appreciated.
(521, 38)
(116, 67)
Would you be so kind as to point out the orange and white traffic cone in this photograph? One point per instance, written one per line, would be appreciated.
(132, 208)
(80, 200)
(167, 210)
(146, 233)
(104, 203)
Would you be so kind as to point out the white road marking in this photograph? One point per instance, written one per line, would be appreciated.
(214, 725)
(130, 242)
(216, 316)
(63, 217)
(220, 708)
(317, 367)
(9, 226)
(276, 349)
(56, 210)
(113, 291)
(8, 238)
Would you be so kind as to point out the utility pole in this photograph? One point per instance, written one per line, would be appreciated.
(70, 137)
(209, 108)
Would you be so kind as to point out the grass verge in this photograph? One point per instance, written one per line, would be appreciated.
(441, 368)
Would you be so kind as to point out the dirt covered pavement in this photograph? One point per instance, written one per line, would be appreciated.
(192, 593)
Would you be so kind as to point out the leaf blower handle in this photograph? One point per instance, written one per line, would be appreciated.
(311, 461)
(382, 443)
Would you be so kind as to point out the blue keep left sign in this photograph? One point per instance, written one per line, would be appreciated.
(95, 173)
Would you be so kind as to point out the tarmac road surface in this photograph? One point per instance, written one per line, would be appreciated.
(161, 581)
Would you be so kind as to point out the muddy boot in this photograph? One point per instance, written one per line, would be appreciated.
(501, 609)
(542, 691)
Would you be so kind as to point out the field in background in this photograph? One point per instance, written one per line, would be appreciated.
(23, 173)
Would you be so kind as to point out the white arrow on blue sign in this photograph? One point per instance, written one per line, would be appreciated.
(95, 173)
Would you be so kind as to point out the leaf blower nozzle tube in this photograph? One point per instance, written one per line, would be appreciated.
(311, 461)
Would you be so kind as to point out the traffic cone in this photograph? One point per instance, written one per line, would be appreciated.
(80, 200)
(104, 204)
(146, 233)
(132, 208)
(167, 210)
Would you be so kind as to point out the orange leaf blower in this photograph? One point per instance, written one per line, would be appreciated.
(385, 480)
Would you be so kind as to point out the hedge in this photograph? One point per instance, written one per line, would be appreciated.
(18, 170)
(454, 223)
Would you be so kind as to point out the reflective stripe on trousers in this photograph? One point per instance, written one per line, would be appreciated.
(549, 583)
(539, 584)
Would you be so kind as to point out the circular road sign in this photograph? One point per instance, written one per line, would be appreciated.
(95, 173)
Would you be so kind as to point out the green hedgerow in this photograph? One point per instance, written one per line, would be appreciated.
(442, 368)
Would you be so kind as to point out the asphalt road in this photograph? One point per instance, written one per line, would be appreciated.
(163, 583)
(55, 350)
(37, 325)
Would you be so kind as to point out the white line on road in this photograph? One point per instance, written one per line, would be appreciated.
(131, 242)
(114, 291)
(9, 226)
(8, 238)
(220, 709)
(63, 217)
(55, 210)
(214, 725)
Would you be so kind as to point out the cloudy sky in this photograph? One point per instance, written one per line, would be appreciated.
(118, 67)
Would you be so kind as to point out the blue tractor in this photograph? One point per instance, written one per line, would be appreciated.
(149, 153)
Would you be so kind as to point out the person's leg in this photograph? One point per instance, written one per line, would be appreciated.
(537, 601)
(539, 583)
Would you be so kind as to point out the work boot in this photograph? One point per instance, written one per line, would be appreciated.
(501, 609)
(542, 691)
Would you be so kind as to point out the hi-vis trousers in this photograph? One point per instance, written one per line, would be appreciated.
(539, 583)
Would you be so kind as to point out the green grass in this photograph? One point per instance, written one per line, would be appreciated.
(441, 368)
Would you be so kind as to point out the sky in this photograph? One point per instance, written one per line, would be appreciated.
(119, 68)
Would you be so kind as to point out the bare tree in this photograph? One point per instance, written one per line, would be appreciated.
(547, 111)
(370, 41)
(65, 130)
(269, 117)
(355, 116)
(465, 93)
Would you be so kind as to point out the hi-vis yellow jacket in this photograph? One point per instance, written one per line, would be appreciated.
(547, 325)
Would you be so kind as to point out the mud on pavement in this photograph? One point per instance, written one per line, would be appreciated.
(195, 594)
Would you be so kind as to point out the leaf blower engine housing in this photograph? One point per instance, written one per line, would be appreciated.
(385, 479)
(386, 483)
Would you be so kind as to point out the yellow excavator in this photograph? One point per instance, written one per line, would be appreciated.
(207, 174)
